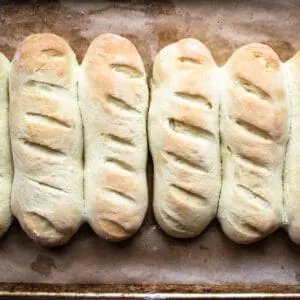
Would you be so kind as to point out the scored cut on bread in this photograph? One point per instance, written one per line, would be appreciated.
(184, 138)
(291, 207)
(46, 136)
(114, 100)
(254, 133)
(6, 169)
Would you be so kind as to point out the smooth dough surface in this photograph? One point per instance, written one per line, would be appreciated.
(184, 138)
(254, 133)
(114, 100)
(46, 136)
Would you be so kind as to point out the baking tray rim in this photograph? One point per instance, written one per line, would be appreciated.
(155, 291)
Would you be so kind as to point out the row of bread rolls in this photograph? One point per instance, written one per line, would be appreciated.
(222, 140)
(78, 136)
(246, 113)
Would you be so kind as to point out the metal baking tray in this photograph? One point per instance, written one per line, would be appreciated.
(152, 265)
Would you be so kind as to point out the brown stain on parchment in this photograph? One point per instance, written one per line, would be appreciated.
(43, 265)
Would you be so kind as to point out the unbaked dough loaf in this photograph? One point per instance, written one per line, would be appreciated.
(184, 138)
(6, 171)
(291, 220)
(254, 132)
(114, 99)
(46, 136)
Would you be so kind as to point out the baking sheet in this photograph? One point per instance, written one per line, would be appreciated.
(151, 257)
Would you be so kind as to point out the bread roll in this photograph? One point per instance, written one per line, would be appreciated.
(114, 99)
(46, 135)
(184, 138)
(254, 133)
(6, 171)
(291, 217)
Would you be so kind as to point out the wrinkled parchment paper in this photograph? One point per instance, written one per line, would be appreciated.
(151, 256)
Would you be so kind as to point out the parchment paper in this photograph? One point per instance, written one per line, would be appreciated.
(151, 256)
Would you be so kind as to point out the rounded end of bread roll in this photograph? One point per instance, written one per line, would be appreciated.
(179, 226)
(185, 54)
(115, 230)
(117, 52)
(254, 60)
(48, 44)
(42, 231)
(243, 231)
(174, 232)
(41, 54)
(112, 231)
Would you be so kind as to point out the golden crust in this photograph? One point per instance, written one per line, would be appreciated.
(47, 53)
(46, 139)
(182, 56)
(113, 99)
(111, 49)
